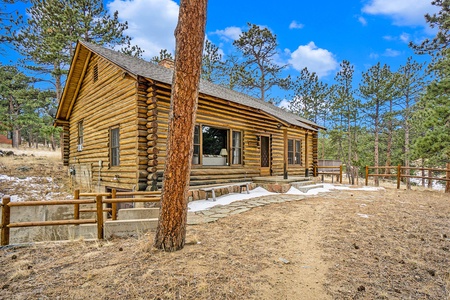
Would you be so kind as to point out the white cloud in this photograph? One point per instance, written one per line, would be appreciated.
(389, 38)
(284, 104)
(362, 20)
(391, 53)
(230, 33)
(373, 55)
(403, 12)
(405, 37)
(295, 25)
(151, 23)
(315, 59)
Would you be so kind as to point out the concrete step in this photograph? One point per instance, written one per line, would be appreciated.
(138, 213)
(306, 188)
(302, 183)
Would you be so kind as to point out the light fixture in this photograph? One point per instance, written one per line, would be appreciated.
(224, 152)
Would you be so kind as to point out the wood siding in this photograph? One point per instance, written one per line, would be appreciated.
(108, 102)
(221, 114)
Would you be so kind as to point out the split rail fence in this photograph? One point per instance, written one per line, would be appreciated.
(79, 199)
(404, 172)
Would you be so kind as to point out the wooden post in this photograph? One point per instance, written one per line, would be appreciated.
(340, 174)
(114, 205)
(430, 181)
(76, 207)
(6, 216)
(367, 175)
(399, 175)
(99, 202)
(314, 170)
(447, 185)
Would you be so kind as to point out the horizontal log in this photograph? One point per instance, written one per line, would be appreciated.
(152, 169)
(52, 202)
(52, 223)
(152, 163)
(123, 200)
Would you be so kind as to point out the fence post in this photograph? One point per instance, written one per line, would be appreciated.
(114, 205)
(314, 170)
(76, 207)
(6, 216)
(367, 175)
(340, 174)
(99, 202)
(399, 175)
(447, 185)
(430, 181)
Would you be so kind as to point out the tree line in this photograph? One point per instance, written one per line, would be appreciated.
(390, 117)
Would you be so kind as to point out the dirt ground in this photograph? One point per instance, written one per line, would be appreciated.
(388, 244)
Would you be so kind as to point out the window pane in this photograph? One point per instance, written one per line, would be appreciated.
(290, 152)
(237, 150)
(114, 142)
(298, 159)
(214, 140)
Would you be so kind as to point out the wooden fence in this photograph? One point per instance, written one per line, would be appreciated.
(403, 172)
(328, 170)
(88, 198)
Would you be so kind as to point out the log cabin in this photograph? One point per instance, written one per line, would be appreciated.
(114, 117)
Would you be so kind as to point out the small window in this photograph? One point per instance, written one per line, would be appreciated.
(294, 152)
(80, 136)
(196, 157)
(237, 148)
(95, 73)
(114, 146)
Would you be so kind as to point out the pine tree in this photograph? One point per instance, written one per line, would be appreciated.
(212, 65)
(259, 48)
(49, 37)
(190, 36)
(377, 87)
(163, 54)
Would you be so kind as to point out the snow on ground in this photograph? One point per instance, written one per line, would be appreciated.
(227, 199)
(33, 187)
(259, 191)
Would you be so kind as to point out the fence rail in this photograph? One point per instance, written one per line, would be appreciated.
(401, 173)
(94, 198)
(328, 171)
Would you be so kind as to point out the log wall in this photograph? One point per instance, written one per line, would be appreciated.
(223, 114)
(111, 101)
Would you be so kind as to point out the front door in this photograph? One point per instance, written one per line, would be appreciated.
(265, 156)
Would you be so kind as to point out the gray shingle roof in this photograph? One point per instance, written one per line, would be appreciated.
(162, 74)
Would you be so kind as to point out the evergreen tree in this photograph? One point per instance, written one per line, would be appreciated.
(53, 27)
(18, 102)
(434, 116)
(259, 48)
(411, 82)
(310, 97)
(377, 88)
(163, 54)
(212, 65)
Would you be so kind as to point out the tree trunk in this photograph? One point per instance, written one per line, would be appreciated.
(189, 35)
(15, 138)
(376, 142)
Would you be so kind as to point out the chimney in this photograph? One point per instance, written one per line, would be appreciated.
(167, 63)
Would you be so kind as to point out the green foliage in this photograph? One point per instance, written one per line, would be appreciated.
(53, 27)
(212, 65)
(259, 71)
(310, 99)
(163, 54)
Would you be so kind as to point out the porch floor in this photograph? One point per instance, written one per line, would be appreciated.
(279, 179)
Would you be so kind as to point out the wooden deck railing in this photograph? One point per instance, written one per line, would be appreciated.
(88, 198)
(401, 172)
(329, 170)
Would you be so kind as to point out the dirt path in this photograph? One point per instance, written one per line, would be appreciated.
(388, 244)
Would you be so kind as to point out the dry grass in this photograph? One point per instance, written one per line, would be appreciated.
(390, 244)
(40, 175)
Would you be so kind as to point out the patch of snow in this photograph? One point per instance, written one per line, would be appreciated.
(227, 199)
(363, 216)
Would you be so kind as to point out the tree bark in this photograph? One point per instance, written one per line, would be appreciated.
(189, 35)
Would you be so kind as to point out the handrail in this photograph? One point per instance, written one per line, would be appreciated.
(95, 198)
(317, 173)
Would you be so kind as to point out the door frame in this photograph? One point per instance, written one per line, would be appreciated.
(265, 170)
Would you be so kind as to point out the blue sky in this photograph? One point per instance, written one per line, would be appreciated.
(313, 34)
